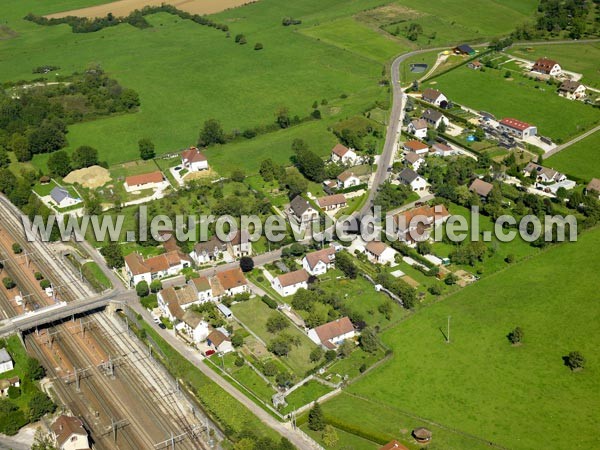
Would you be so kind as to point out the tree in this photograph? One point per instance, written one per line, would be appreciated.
(19, 144)
(515, 336)
(276, 322)
(450, 279)
(295, 182)
(316, 354)
(113, 255)
(211, 133)
(45, 284)
(238, 176)
(146, 147)
(237, 340)
(8, 181)
(280, 346)
(14, 392)
(84, 156)
(246, 264)
(330, 355)
(308, 162)
(441, 127)
(48, 137)
(302, 300)
(59, 164)
(17, 249)
(270, 369)
(479, 134)
(258, 46)
(316, 419)
(39, 405)
(423, 247)
(142, 289)
(35, 370)
(507, 74)
(42, 441)
(346, 348)
(282, 117)
(330, 437)
(575, 360)
(8, 283)
(368, 340)
(155, 286)
(284, 379)
(344, 262)
(386, 308)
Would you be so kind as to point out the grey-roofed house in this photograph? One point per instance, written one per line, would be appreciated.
(6, 362)
(302, 211)
(63, 198)
(433, 117)
(435, 97)
(411, 178)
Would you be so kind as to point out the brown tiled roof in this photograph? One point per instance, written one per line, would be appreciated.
(569, 86)
(217, 338)
(202, 284)
(393, 445)
(291, 278)
(481, 187)
(442, 147)
(333, 329)
(137, 265)
(146, 178)
(544, 65)
(65, 426)
(185, 295)
(514, 123)
(426, 210)
(192, 318)
(340, 150)
(232, 278)
(594, 185)
(135, 262)
(413, 145)
(192, 155)
(345, 175)
(239, 237)
(430, 94)
(326, 255)
(330, 200)
(209, 246)
(413, 157)
(376, 247)
(419, 124)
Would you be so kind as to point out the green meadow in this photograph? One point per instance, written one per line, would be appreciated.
(517, 397)
(580, 160)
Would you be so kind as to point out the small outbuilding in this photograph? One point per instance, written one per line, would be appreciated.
(422, 435)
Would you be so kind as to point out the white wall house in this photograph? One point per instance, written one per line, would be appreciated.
(332, 334)
(343, 155)
(240, 245)
(219, 342)
(229, 283)
(411, 178)
(418, 128)
(209, 251)
(317, 263)
(289, 283)
(203, 289)
(347, 179)
(572, 90)
(6, 362)
(434, 97)
(302, 211)
(63, 198)
(140, 269)
(434, 118)
(517, 128)
(194, 160)
(195, 327)
(69, 434)
(416, 224)
(379, 253)
(547, 67)
(152, 180)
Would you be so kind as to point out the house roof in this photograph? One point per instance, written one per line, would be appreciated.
(137, 265)
(442, 147)
(146, 178)
(432, 114)
(334, 329)
(412, 157)
(299, 205)
(594, 185)
(515, 124)
(346, 175)
(217, 338)
(481, 187)
(414, 146)
(464, 48)
(239, 237)
(201, 283)
(340, 150)
(569, 86)
(214, 243)
(426, 210)
(544, 65)
(4, 356)
(549, 173)
(185, 295)
(407, 175)
(431, 94)
(326, 255)
(419, 124)
(292, 278)
(58, 194)
(8, 382)
(330, 200)
(475, 63)
(232, 278)
(192, 318)
(65, 426)
(192, 155)
(376, 247)
(394, 445)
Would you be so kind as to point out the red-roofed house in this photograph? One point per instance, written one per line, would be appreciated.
(517, 128)
(332, 334)
(344, 155)
(416, 224)
(69, 434)
(194, 160)
(289, 283)
(416, 147)
(317, 263)
(331, 202)
(140, 269)
(380, 253)
(152, 180)
(547, 67)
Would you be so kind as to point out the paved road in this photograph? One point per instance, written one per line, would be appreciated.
(575, 140)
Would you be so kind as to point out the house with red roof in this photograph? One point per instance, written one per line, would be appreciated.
(343, 155)
(194, 160)
(547, 67)
(289, 283)
(317, 263)
(333, 333)
(517, 128)
(416, 147)
(152, 180)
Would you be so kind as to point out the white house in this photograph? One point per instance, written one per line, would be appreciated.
(229, 283)
(193, 160)
(239, 244)
(203, 289)
(69, 434)
(331, 334)
(414, 160)
(434, 118)
(416, 224)
(209, 251)
(152, 180)
(195, 326)
(347, 179)
(289, 283)
(6, 362)
(219, 341)
(302, 211)
(440, 149)
(572, 90)
(169, 263)
(317, 263)
(63, 198)
(543, 174)
(413, 179)
(379, 253)
(332, 202)
(517, 128)
(415, 147)
(418, 128)
(547, 67)
(173, 302)
(344, 155)
(435, 97)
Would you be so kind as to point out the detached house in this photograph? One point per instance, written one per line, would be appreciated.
(379, 253)
(194, 326)
(547, 67)
(68, 434)
(332, 202)
(415, 147)
(441, 149)
(203, 289)
(302, 211)
(517, 128)
(140, 269)
(434, 118)
(464, 49)
(239, 244)
(229, 283)
(317, 263)
(6, 362)
(332, 334)
(572, 90)
(219, 341)
(347, 179)
(194, 160)
(543, 174)
(209, 251)
(435, 97)
(289, 283)
(411, 178)
(481, 188)
(343, 155)
(416, 224)
(63, 198)
(152, 180)
(413, 160)
(418, 128)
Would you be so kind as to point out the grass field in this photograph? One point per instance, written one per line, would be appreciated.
(491, 386)
(554, 116)
(580, 58)
(580, 160)
(306, 393)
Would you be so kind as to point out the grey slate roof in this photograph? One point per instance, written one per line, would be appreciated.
(407, 176)
(299, 205)
(432, 115)
(58, 194)
(4, 356)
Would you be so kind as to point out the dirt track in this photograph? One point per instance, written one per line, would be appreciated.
(124, 7)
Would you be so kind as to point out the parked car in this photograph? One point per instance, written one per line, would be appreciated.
(209, 352)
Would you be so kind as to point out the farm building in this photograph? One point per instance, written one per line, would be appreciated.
(464, 49)
(517, 128)
(332, 334)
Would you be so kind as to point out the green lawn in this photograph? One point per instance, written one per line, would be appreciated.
(494, 387)
(95, 275)
(559, 118)
(254, 314)
(305, 394)
(580, 58)
(580, 160)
